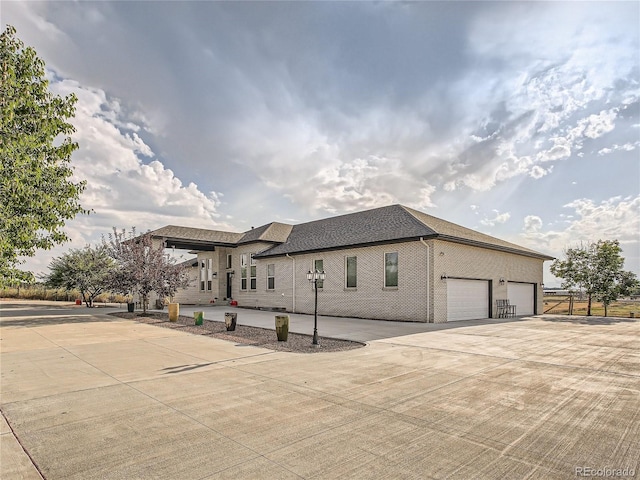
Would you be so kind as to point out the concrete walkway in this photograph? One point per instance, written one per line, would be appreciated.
(90, 396)
(358, 329)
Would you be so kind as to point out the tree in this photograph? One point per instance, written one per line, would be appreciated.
(37, 194)
(87, 270)
(143, 266)
(596, 268)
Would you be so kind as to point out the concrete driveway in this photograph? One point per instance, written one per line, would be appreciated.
(88, 396)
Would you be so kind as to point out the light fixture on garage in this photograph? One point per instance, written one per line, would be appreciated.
(443, 276)
(502, 280)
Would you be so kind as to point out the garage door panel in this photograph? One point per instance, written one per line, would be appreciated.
(521, 295)
(467, 299)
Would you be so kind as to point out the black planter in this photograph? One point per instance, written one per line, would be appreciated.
(230, 320)
(131, 307)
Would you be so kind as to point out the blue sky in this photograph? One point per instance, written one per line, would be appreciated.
(521, 120)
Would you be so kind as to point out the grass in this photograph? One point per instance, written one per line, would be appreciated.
(622, 308)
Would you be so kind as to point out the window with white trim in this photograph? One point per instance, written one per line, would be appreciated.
(271, 276)
(203, 274)
(391, 269)
(243, 271)
(351, 272)
(318, 265)
(252, 279)
(209, 273)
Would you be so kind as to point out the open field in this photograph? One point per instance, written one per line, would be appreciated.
(559, 305)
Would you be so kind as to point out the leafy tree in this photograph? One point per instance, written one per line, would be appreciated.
(143, 266)
(87, 270)
(596, 268)
(37, 194)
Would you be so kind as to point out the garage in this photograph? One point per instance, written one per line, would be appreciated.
(522, 296)
(467, 299)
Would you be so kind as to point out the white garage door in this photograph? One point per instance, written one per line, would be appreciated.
(521, 295)
(467, 299)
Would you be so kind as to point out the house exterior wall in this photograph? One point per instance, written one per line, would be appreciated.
(370, 299)
(464, 261)
(190, 294)
(421, 294)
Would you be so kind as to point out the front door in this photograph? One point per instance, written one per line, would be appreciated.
(229, 277)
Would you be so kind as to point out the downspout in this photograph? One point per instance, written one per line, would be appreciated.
(427, 279)
(293, 282)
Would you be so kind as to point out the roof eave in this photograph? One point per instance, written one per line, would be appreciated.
(266, 253)
(447, 238)
(477, 243)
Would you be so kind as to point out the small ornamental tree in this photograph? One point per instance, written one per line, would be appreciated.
(596, 268)
(143, 266)
(87, 270)
(37, 194)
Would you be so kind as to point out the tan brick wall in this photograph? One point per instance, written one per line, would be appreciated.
(369, 300)
(279, 297)
(463, 261)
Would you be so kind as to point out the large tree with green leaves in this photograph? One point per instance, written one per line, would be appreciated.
(143, 266)
(597, 269)
(88, 270)
(37, 191)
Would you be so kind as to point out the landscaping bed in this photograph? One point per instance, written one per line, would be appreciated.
(243, 334)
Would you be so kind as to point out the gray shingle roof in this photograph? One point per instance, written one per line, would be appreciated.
(197, 235)
(390, 224)
(271, 232)
(394, 223)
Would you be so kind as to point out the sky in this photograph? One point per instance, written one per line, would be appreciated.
(517, 119)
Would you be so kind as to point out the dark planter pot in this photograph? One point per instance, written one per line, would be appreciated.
(282, 327)
(131, 307)
(230, 320)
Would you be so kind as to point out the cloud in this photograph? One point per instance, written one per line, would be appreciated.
(498, 218)
(538, 172)
(598, 125)
(532, 223)
(617, 218)
(123, 190)
(627, 147)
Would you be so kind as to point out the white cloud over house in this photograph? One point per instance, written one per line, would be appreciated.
(264, 111)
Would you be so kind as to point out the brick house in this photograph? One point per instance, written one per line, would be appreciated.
(391, 263)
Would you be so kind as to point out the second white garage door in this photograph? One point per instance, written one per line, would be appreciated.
(467, 299)
(521, 295)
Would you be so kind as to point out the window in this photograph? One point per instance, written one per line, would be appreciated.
(243, 271)
(229, 257)
(351, 272)
(203, 274)
(253, 277)
(391, 269)
(253, 260)
(209, 273)
(318, 265)
(271, 276)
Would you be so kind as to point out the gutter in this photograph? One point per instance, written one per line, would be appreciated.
(427, 278)
(293, 275)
